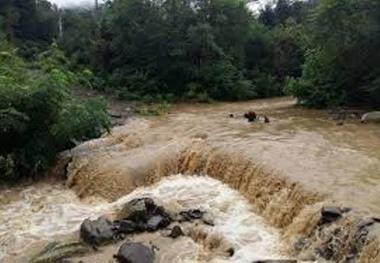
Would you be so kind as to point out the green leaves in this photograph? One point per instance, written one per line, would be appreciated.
(38, 117)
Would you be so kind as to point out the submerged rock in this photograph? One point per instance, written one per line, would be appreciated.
(135, 253)
(176, 232)
(330, 214)
(55, 252)
(190, 215)
(97, 232)
(250, 116)
(373, 116)
(157, 222)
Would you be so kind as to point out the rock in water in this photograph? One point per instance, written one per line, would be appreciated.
(191, 214)
(276, 261)
(176, 232)
(330, 214)
(97, 232)
(251, 116)
(137, 209)
(373, 116)
(135, 253)
(157, 222)
(125, 226)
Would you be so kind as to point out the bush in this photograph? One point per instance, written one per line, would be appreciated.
(38, 116)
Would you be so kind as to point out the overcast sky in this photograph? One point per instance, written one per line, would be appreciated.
(65, 3)
(73, 2)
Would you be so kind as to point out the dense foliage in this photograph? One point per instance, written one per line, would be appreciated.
(343, 60)
(38, 117)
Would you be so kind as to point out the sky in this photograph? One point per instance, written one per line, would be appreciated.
(65, 3)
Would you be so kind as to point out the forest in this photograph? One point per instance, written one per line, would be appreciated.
(326, 53)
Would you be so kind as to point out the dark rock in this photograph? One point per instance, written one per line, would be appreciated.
(365, 222)
(230, 251)
(340, 123)
(266, 119)
(125, 226)
(231, 115)
(251, 116)
(135, 253)
(97, 232)
(330, 214)
(145, 214)
(191, 214)
(137, 209)
(157, 222)
(176, 232)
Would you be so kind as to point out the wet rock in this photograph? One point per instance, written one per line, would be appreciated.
(330, 214)
(176, 232)
(125, 227)
(230, 251)
(191, 214)
(340, 123)
(157, 222)
(145, 215)
(137, 209)
(97, 232)
(135, 253)
(250, 116)
(373, 116)
(266, 119)
(231, 115)
(56, 252)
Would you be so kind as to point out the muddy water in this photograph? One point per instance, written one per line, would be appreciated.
(43, 212)
(285, 169)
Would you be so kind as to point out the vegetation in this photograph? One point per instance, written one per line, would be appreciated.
(36, 113)
(324, 52)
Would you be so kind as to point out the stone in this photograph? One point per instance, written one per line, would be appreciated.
(230, 251)
(125, 226)
(250, 116)
(191, 214)
(373, 116)
(137, 209)
(135, 253)
(176, 232)
(97, 232)
(157, 222)
(330, 214)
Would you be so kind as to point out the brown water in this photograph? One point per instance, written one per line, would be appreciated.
(286, 169)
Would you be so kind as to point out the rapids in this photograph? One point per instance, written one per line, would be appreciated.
(264, 183)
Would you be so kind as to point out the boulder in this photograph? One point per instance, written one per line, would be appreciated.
(145, 215)
(250, 116)
(137, 209)
(157, 222)
(97, 232)
(125, 226)
(135, 253)
(373, 116)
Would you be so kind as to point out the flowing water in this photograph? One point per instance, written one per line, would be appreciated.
(285, 169)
